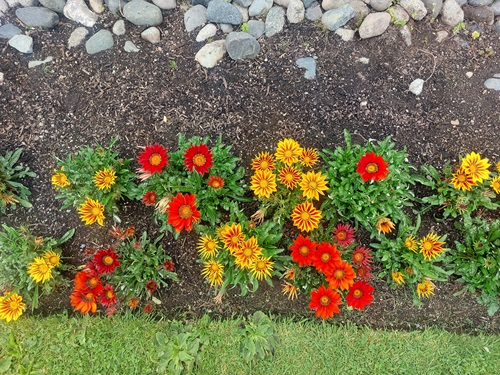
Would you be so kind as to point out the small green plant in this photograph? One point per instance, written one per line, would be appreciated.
(475, 34)
(257, 337)
(15, 358)
(245, 27)
(172, 64)
(459, 27)
(11, 190)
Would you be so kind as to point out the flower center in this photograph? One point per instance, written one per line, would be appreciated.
(155, 159)
(14, 305)
(185, 211)
(473, 168)
(92, 282)
(361, 271)
(96, 211)
(216, 184)
(235, 239)
(427, 245)
(325, 257)
(261, 265)
(358, 257)
(305, 216)
(357, 293)
(107, 179)
(341, 235)
(461, 178)
(306, 159)
(199, 160)
(248, 252)
(264, 164)
(288, 153)
(313, 185)
(371, 168)
(324, 300)
(289, 177)
(89, 297)
(107, 260)
(214, 268)
(339, 274)
(210, 246)
(304, 250)
(53, 259)
(109, 294)
(263, 183)
(43, 268)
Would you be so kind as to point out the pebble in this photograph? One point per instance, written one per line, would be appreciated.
(55, 5)
(451, 14)
(220, 11)
(332, 4)
(259, 8)
(142, 13)
(115, 6)
(455, 122)
(336, 18)
(441, 35)
(493, 83)
(256, 28)
(275, 21)
(244, 13)
(242, 46)
(496, 8)
(97, 6)
(23, 43)
(295, 12)
(478, 3)
(165, 4)
(100, 41)
(309, 64)
(346, 34)
(1, 78)
(151, 34)
(415, 8)
(38, 17)
(78, 11)
(374, 24)
(314, 12)
(243, 3)
(226, 28)
(8, 30)
(469, 74)
(380, 5)
(206, 32)
(364, 60)
(130, 47)
(119, 27)
(211, 53)
(361, 10)
(34, 63)
(195, 17)
(417, 86)
(406, 35)
(77, 37)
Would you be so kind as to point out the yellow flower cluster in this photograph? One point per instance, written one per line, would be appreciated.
(40, 269)
(472, 171)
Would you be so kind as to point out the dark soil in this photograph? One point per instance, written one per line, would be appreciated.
(87, 100)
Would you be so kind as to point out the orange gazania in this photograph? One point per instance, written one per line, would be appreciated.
(149, 198)
(182, 212)
(340, 275)
(263, 161)
(153, 158)
(247, 253)
(106, 260)
(308, 157)
(215, 182)
(289, 176)
(133, 303)
(88, 280)
(263, 183)
(303, 250)
(84, 300)
(232, 237)
(372, 167)
(11, 306)
(462, 180)
(198, 158)
(384, 225)
(306, 217)
(430, 246)
(325, 256)
(107, 296)
(360, 295)
(325, 301)
(343, 235)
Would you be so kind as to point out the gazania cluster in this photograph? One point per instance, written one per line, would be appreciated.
(40, 270)
(473, 170)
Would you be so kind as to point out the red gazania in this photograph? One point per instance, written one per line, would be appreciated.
(182, 212)
(215, 182)
(169, 265)
(107, 296)
(106, 260)
(360, 295)
(303, 250)
(325, 256)
(364, 273)
(149, 198)
(88, 280)
(199, 158)
(83, 300)
(148, 307)
(343, 235)
(325, 301)
(372, 167)
(151, 286)
(362, 256)
(340, 275)
(153, 158)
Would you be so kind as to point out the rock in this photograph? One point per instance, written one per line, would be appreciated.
(496, 8)
(406, 35)
(461, 3)
(335, 18)
(206, 32)
(23, 3)
(77, 10)
(8, 30)
(165, 4)
(195, 17)
(38, 17)
(479, 3)
(23, 43)
(115, 6)
(399, 15)
(497, 26)
(130, 47)
(307, 3)
(417, 86)
(100, 41)
(361, 10)
(97, 5)
(493, 83)
(244, 13)
(201, 2)
(256, 28)
(333, 4)
(151, 34)
(283, 3)
(380, 5)
(441, 35)
(55, 5)
(142, 13)
(275, 21)
(119, 27)
(479, 14)
(210, 54)
(2, 79)
(242, 46)
(243, 3)
(259, 8)
(77, 37)
(451, 14)
(34, 63)
(415, 8)
(314, 12)
(346, 34)
(4, 7)
(226, 28)
(469, 74)
(220, 11)
(309, 64)
(296, 11)
(433, 7)
(374, 24)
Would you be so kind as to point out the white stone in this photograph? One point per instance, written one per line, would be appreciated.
(346, 34)
(97, 5)
(374, 24)
(130, 47)
(441, 35)
(469, 74)
(77, 10)
(295, 11)
(415, 8)
(210, 54)
(283, 3)
(165, 4)
(34, 63)
(451, 14)
(23, 43)
(417, 86)
(406, 35)
(77, 37)
(119, 27)
(206, 32)
(151, 34)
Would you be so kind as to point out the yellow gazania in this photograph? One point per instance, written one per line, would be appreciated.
(105, 179)
(313, 184)
(308, 157)
(232, 237)
(263, 161)
(289, 176)
(208, 247)
(398, 277)
(11, 307)
(384, 225)
(92, 211)
(52, 258)
(411, 243)
(495, 184)
(430, 246)
(263, 183)
(290, 289)
(425, 288)
(247, 253)
(213, 272)
(261, 268)
(462, 180)
(288, 151)
(498, 166)
(306, 217)
(40, 270)
(59, 179)
(476, 167)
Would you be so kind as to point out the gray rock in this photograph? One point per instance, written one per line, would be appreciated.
(38, 17)
(100, 41)
(493, 83)
(115, 6)
(380, 5)
(165, 4)
(256, 28)
(242, 46)
(226, 28)
(4, 7)
(55, 5)
(77, 37)
(119, 27)
(433, 7)
(195, 17)
(417, 86)
(244, 13)
(296, 11)
(283, 3)
(23, 3)
(451, 14)
(479, 14)
(23, 43)
(78, 11)
(441, 35)
(415, 8)
(201, 2)
(34, 63)
(496, 8)
(335, 18)
(259, 8)
(210, 54)
(8, 30)
(206, 32)
(151, 34)
(346, 34)
(307, 3)
(479, 3)
(142, 13)
(275, 21)
(309, 64)
(374, 24)
(406, 35)
(361, 10)
(97, 5)
(497, 26)
(220, 11)
(333, 4)
(130, 47)
(243, 3)
(461, 3)
(314, 12)
(399, 15)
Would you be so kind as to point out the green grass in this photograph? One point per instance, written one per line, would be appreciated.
(126, 345)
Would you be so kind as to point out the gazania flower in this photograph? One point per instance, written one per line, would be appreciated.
(213, 272)
(215, 182)
(289, 176)
(495, 184)
(325, 256)
(362, 256)
(384, 225)
(88, 280)
(198, 158)
(290, 273)
(360, 295)
(425, 288)
(476, 167)
(153, 158)
(288, 151)
(430, 247)
(364, 273)
(130, 231)
(398, 277)
(182, 212)
(303, 250)
(151, 286)
(84, 301)
(40, 270)
(372, 167)
(114, 232)
(52, 258)
(133, 303)
(59, 179)
(91, 211)
(105, 179)
(325, 301)
(232, 237)
(149, 198)
(168, 265)
(308, 157)
(208, 247)
(8, 198)
(306, 217)
(11, 307)
(261, 267)
(340, 275)
(107, 296)
(290, 290)
(110, 311)
(247, 253)
(263, 161)
(462, 180)
(106, 261)
(148, 307)
(313, 184)
(263, 183)
(411, 243)
(343, 235)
